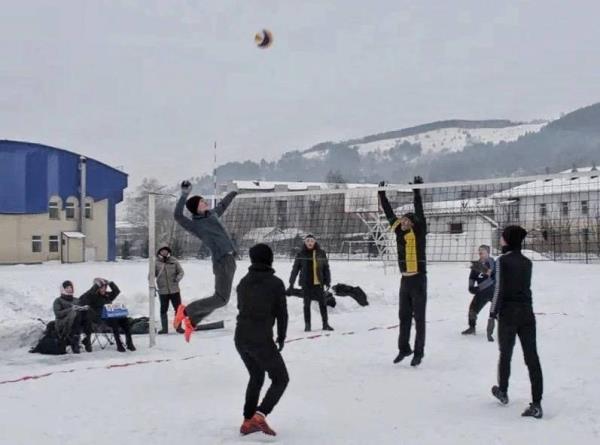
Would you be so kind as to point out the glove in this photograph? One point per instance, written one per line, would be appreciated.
(490, 328)
(418, 180)
(472, 290)
(280, 345)
(186, 187)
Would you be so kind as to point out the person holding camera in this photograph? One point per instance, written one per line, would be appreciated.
(481, 284)
(71, 319)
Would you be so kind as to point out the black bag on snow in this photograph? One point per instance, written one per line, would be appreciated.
(354, 292)
(50, 343)
(139, 326)
(329, 298)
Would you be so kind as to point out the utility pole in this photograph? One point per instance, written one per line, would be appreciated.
(214, 204)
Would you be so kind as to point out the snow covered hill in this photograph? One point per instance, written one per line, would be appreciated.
(344, 388)
(443, 138)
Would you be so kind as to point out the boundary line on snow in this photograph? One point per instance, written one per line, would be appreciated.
(193, 357)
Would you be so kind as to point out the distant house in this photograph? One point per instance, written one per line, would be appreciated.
(562, 214)
(455, 229)
(56, 205)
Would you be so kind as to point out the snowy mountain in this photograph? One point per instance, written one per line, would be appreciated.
(438, 138)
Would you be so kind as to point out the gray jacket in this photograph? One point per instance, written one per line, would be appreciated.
(65, 315)
(168, 275)
(208, 227)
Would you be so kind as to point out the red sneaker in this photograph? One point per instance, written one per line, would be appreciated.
(179, 316)
(259, 421)
(188, 329)
(248, 427)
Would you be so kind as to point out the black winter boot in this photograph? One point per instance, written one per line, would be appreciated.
(129, 342)
(75, 344)
(119, 343)
(87, 344)
(469, 331)
(401, 356)
(164, 323)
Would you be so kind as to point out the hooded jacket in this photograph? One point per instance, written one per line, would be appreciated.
(65, 315)
(311, 264)
(261, 302)
(168, 274)
(208, 227)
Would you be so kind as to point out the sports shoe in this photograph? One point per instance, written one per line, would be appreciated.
(416, 361)
(500, 395)
(179, 316)
(401, 356)
(259, 421)
(470, 331)
(327, 328)
(534, 410)
(188, 329)
(248, 427)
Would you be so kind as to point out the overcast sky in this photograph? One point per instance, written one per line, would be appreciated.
(150, 84)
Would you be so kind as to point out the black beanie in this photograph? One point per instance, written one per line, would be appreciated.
(167, 248)
(192, 204)
(261, 254)
(514, 236)
(67, 284)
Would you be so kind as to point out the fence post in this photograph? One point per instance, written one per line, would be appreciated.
(151, 267)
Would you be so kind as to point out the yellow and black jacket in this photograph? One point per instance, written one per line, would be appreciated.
(411, 243)
(313, 267)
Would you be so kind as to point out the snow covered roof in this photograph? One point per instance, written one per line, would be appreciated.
(458, 207)
(555, 186)
(78, 235)
(266, 186)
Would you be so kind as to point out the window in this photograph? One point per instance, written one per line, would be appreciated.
(455, 227)
(88, 210)
(53, 243)
(564, 209)
(70, 210)
(584, 208)
(543, 210)
(36, 244)
(53, 210)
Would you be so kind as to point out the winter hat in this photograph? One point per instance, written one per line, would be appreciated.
(167, 248)
(64, 288)
(514, 236)
(411, 216)
(261, 254)
(192, 204)
(308, 236)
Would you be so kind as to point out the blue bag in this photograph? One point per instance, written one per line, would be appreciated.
(115, 310)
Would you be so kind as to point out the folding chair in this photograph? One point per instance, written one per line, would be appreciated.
(100, 337)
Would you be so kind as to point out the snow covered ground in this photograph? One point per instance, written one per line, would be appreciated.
(344, 388)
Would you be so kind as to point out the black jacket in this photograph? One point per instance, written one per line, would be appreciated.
(513, 281)
(261, 301)
(96, 301)
(304, 264)
(411, 243)
(483, 280)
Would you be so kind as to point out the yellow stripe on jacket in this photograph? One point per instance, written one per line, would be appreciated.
(410, 251)
(316, 281)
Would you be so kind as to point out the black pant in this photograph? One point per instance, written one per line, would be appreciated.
(519, 319)
(480, 299)
(258, 360)
(116, 324)
(174, 299)
(314, 293)
(413, 302)
(82, 323)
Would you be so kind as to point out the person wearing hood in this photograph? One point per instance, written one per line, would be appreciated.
(512, 305)
(101, 293)
(168, 275)
(411, 231)
(206, 225)
(261, 302)
(481, 285)
(71, 319)
(315, 277)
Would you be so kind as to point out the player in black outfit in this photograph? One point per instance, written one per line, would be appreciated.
(261, 302)
(411, 231)
(481, 284)
(512, 306)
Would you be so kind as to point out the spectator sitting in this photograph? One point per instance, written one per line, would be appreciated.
(96, 298)
(71, 319)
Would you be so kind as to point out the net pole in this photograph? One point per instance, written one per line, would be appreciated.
(151, 268)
